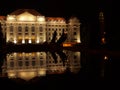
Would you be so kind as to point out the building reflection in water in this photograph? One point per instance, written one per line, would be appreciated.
(34, 64)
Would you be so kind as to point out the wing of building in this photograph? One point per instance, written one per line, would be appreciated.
(29, 26)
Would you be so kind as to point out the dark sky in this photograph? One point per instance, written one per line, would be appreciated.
(84, 9)
(87, 10)
(55, 7)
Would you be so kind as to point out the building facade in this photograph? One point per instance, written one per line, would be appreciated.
(29, 26)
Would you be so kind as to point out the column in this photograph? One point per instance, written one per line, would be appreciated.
(23, 34)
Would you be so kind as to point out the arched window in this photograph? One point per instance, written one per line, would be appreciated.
(33, 29)
(11, 28)
(19, 29)
(40, 29)
(11, 64)
(26, 29)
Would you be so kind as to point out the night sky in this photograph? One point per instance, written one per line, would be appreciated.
(85, 9)
(56, 7)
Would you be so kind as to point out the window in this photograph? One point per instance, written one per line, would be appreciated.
(27, 63)
(26, 58)
(33, 63)
(41, 63)
(11, 64)
(11, 28)
(33, 29)
(19, 29)
(59, 29)
(26, 29)
(74, 33)
(20, 63)
(41, 29)
(33, 58)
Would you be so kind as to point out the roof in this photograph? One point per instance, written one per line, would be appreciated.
(55, 18)
(20, 11)
(2, 17)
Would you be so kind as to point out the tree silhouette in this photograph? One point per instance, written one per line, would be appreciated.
(62, 38)
(54, 37)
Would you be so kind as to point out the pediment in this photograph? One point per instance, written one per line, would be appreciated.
(26, 16)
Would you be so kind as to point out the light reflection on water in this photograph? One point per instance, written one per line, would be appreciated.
(27, 65)
(64, 65)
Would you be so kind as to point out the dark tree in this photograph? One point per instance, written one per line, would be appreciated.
(62, 38)
(54, 37)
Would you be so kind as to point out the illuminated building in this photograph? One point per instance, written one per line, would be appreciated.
(29, 26)
(36, 64)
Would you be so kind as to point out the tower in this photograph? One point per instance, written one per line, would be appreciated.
(102, 28)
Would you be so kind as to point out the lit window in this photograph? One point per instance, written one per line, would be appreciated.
(20, 63)
(26, 29)
(41, 62)
(33, 29)
(33, 63)
(19, 29)
(11, 28)
(11, 64)
(41, 29)
(27, 63)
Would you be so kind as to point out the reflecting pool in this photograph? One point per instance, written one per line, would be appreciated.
(49, 69)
